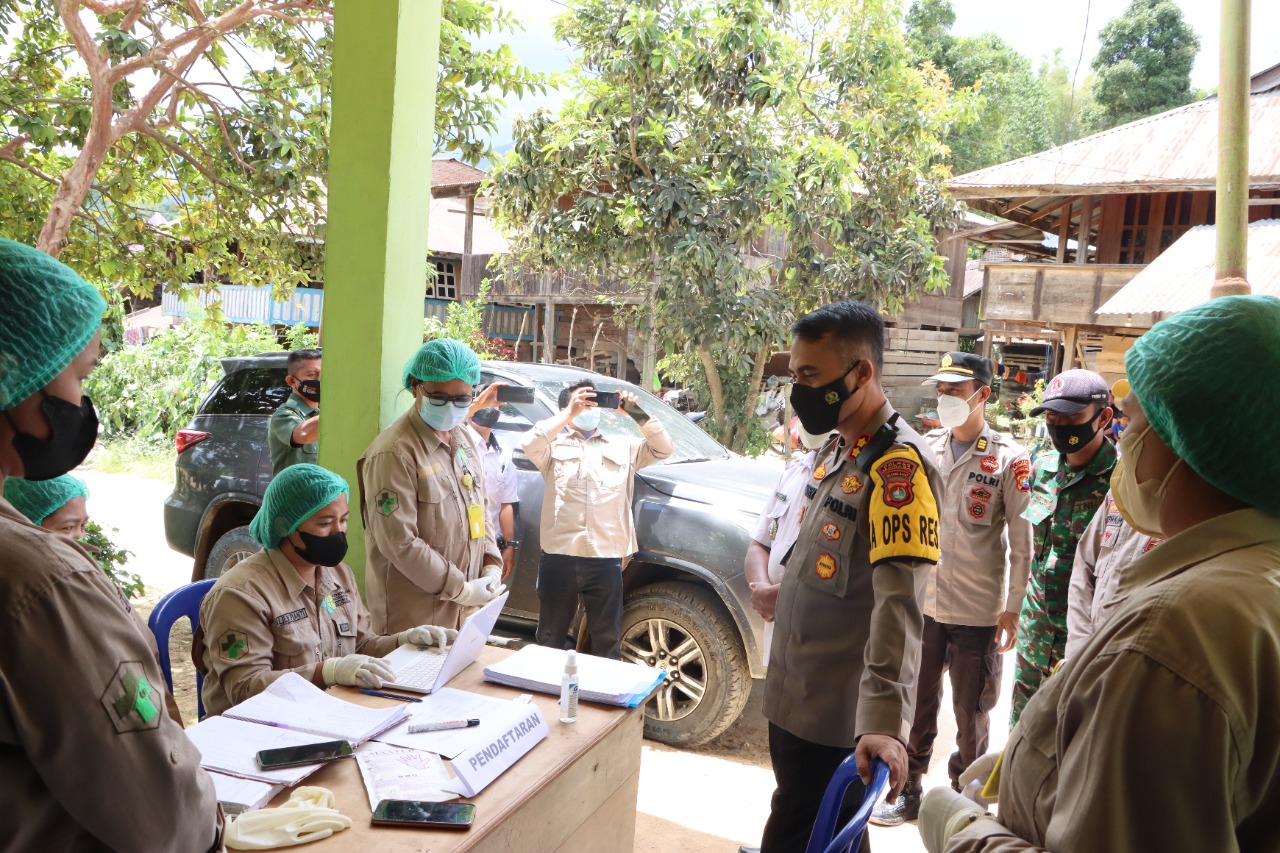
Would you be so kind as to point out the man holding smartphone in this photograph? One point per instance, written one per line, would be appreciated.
(587, 525)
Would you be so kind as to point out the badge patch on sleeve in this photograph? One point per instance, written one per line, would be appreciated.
(820, 471)
(1022, 475)
(233, 645)
(977, 509)
(130, 700)
(386, 501)
(851, 485)
(826, 567)
(902, 518)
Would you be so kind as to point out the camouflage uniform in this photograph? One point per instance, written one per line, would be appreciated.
(1063, 502)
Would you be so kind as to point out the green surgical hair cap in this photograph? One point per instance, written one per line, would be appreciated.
(440, 361)
(295, 494)
(1186, 365)
(39, 499)
(49, 316)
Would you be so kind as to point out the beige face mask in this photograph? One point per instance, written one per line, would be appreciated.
(1139, 503)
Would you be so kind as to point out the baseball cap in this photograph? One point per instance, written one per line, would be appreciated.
(962, 367)
(1072, 390)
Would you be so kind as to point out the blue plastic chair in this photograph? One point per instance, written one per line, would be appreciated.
(824, 838)
(183, 601)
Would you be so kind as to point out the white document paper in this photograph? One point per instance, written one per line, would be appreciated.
(393, 773)
(486, 760)
(295, 703)
(446, 704)
(540, 668)
(231, 746)
(242, 795)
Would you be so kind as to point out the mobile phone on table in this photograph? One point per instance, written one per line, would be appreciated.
(608, 399)
(307, 753)
(418, 813)
(515, 394)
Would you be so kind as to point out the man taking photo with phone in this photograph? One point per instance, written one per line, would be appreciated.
(587, 525)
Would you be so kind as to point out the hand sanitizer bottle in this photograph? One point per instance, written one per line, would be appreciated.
(569, 689)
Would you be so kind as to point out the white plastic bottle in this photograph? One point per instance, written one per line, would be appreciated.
(569, 689)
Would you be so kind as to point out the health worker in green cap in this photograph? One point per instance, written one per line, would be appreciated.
(431, 555)
(1163, 731)
(294, 606)
(59, 505)
(89, 760)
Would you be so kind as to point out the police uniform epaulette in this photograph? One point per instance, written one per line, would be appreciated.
(885, 438)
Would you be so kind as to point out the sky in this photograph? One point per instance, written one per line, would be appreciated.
(1034, 27)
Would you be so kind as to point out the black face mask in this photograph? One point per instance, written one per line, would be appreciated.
(819, 408)
(309, 389)
(1069, 438)
(72, 432)
(322, 550)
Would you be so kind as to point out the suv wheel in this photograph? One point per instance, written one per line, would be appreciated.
(683, 629)
(232, 547)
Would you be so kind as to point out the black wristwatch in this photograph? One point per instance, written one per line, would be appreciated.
(510, 543)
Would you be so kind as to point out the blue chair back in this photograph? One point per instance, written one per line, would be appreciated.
(824, 838)
(183, 601)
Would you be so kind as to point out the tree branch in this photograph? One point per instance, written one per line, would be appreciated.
(151, 133)
(9, 153)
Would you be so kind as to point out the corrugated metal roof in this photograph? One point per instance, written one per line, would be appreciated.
(1174, 150)
(1181, 276)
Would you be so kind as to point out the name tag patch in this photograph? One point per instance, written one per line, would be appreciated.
(292, 616)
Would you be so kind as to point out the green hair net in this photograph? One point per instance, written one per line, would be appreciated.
(39, 499)
(1180, 370)
(50, 315)
(441, 360)
(295, 494)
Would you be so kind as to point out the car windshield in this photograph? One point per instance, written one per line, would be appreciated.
(690, 443)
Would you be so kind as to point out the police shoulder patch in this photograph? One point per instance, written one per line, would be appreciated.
(902, 515)
(982, 445)
(1022, 474)
(130, 700)
(233, 645)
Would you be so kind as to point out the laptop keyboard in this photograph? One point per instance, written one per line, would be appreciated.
(423, 672)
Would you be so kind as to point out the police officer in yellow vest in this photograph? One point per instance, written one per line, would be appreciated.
(846, 644)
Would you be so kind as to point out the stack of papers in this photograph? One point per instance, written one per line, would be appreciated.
(609, 682)
(292, 702)
(392, 773)
(445, 704)
(242, 795)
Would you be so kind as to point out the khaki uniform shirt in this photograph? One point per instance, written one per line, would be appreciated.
(846, 644)
(1105, 550)
(260, 621)
(983, 569)
(284, 452)
(89, 760)
(415, 496)
(586, 509)
(1161, 733)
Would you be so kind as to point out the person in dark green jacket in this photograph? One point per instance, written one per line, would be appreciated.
(294, 433)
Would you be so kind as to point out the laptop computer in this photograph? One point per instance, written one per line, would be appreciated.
(425, 670)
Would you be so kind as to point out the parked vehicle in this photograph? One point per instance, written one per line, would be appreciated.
(687, 608)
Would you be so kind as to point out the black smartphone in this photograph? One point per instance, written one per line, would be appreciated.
(417, 813)
(307, 753)
(515, 394)
(608, 399)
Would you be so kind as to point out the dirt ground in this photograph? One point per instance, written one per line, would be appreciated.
(707, 799)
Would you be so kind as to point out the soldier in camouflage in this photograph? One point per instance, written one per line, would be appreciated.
(1067, 487)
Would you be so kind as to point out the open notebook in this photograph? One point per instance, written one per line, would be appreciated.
(292, 702)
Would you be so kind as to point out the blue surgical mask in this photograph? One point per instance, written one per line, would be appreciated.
(443, 418)
(587, 421)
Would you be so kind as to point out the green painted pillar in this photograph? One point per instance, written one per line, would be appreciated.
(384, 92)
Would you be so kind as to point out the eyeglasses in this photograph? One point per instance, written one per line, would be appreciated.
(460, 401)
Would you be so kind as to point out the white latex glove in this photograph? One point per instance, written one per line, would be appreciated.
(428, 635)
(493, 573)
(357, 671)
(975, 777)
(943, 813)
(479, 591)
(307, 816)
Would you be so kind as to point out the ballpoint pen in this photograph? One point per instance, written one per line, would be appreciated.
(420, 728)
(368, 692)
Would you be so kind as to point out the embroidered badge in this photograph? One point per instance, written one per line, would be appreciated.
(1073, 440)
(820, 471)
(386, 501)
(327, 604)
(1022, 475)
(977, 510)
(946, 360)
(782, 496)
(831, 531)
(773, 528)
(292, 616)
(802, 512)
(234, 645)
(341, 597)
(981, 494)
(826, 567)
(1055, 386)
(851, 485)
(990, 464)
(832, 397)
(859, 445)
(982, 444)
(897, 474)
(129, 699)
